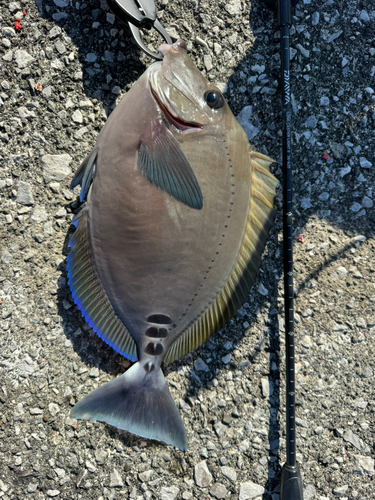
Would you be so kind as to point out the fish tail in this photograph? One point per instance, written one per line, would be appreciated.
(137, 401)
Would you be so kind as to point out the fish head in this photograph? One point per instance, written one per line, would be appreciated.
(186, 98)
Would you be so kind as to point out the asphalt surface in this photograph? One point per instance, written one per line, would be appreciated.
(62, 72)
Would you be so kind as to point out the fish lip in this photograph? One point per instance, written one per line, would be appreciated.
(169, 111)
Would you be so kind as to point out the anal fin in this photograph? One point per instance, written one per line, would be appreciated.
(90, 296)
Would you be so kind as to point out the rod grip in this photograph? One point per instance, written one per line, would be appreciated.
(291, 483)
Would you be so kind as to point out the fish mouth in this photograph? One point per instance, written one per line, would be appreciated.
(169, 111)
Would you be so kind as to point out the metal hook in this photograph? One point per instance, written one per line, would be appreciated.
(138, 39)
(140, 14)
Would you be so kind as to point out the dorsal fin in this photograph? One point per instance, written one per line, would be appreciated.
(260, 217)
(90, 296)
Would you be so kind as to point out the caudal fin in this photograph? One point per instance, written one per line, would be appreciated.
(138, 402)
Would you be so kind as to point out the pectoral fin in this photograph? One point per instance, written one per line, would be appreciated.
(162, 161)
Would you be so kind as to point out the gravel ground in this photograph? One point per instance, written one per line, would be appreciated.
(61, 75)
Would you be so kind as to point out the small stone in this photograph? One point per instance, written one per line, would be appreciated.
(100, 456)
(108, 56)
(302, 423)
(367, 202)
(80, 478)
(356, 207)
(184, 406)
(342, 271)
(267, 387)
(53, 409)
(364, 465)
(304, 52)
(61, 3)
(324, 101)
(364, 162)
(94, 372)
(8, 56)
(200, 366)
(25, 113)
(36, 411)
(14, 6)
(233, 7)
(77, 116)
(311, 122)
(229, 473)
(220, 429)
(52, 493)
(24, 194)
(47, 91)
(91, 57)
(218, 491)
(364, 16)
(115, 480)
(226, 359)
(262, 290)
(23, 58)
(116, 90)
(207, 59)
(110, 17)
(202, 476)
(169, 492)
(32, 487)
(60, 47)
(56, 166)
(172, 32)
(306, 203)
(341, 490)
(217, 48)
(323, 196)
(352, 438)
(54, 32)
(344, 171)
(146, 476)
(309, 492)
(315, 18)
(250, 490)
(8, 31)
(90, 467)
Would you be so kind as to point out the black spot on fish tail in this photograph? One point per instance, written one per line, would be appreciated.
(149, 367)
(154, 349)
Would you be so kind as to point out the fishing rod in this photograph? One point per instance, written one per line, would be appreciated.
(291, 481)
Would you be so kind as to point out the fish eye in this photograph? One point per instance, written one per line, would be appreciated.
(214, 99)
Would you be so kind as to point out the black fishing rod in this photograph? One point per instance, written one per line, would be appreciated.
(291, 480)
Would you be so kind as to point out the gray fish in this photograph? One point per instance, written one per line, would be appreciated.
(169, 240)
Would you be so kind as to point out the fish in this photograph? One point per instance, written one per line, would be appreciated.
(177, 209)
